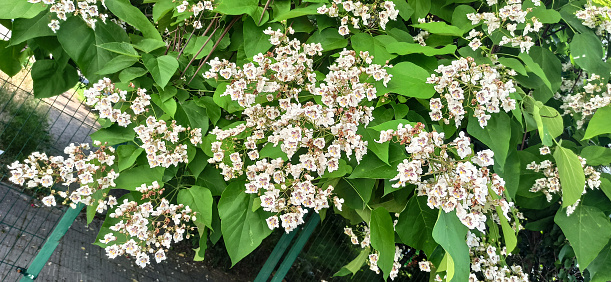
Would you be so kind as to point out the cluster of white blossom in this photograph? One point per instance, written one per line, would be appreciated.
(550, 183)
(488, 262)
(195, 9)
(147, 227)
(467, 84)
(598, 17)
(452, 184)
(88, 10)
(374, 255)
(92, 171)
(360, 14)
(583, 104)
(509, 16)
(278, 114)
(162, 143)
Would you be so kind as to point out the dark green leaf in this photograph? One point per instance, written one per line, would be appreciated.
(127, 155)
(124, 10)
(355, 265)
(329, 39)
(415, 225)
(161, 68)
(24, 29)
(571, 175)
(496, 135)
(50, 80)
(383, 239)
(236, 7)
(122, 48)
(114, 134)
(451, 234)
(362, 42)
(132, 73)
(599, 124)
(404, 48)
(440, 28)
(135, 177)
(596, 155)
(199, 199)
(117, 64)
(255, 41)
(12, 9)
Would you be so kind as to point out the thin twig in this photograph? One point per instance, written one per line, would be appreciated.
(191, 35)
(263, 13)
(235, 19)
(203, 46)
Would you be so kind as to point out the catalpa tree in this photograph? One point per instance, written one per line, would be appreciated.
(467, 130)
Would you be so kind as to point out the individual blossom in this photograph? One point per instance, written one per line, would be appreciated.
(360, 15)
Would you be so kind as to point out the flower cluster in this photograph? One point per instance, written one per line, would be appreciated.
(195, 10)
(464, 185)
(374, 255)
(92, 171)
(160, 140)
(509, 16)
(487, 261)
(467, 84)
(147, 227)
(359, 14)
(598, 17)
(88, 10)
(583, 104)
(278, 115)
(550, 183)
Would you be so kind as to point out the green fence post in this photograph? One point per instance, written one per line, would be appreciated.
(49, 247)
(274, 258)
(296, 248)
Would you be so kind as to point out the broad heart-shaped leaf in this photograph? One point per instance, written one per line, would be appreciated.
(124, 10)
(514, 64)
(329, 39)
(117, 64)
(588, 230)
(365, 42)
(405, 48)
(596, 155)
(114, 134)
(50, 80)
(243, 229)
(415, 225)
(355, 265)
(122, 48)
(148, 45)
(190, 114)
(131, 73)
(161, 68)
(225, 101)
(600, 268)
(459, 17)
(12, 9)
(255, 41)
(11, 58)
(572, 178)
(496, 135)
(587, 52)
(535, 68)
(135, 177)
(24, 29)
(372, 167)
(80, 42)
(383, 238)
(127, 155)
(408, 79)
(550, 64)
(199, 199)
(421, 8)
(599, 124)
(451, 234)
(356, 192)
(196, 44)
(440, 28)
(236, 7)
(379, 149)
(298, 12)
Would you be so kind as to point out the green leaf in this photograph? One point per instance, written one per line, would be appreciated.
(161, 68)
(199, 199)
(114, 134)
(496, 135)
(355, 265)
(343, 169)
(459, 17)
(110, 221)
(550, 64)
(391, 124)
(405, 10)
(440, 28)
(11, 58)
(196, 44)
(169, 106)
(117, 64)
(451, 234)
(379, 149)
(198, 164)
(148, 45)
(243, 229)
(161, 8)
(50, 80)
(588, 230)
(272, 152)
(124, 10)
(122, 48)
(135, 177)
(24, 29)
(421, 8)
(14, 9)
(383, 239)
(509, 235)
(190, 114)
(535, 68)
(255, 41)
(599, 124)
(225, 102)
(203, 245)
(372, 167)
(415, 225)
(132, 73)
(546, 16)
(596, 155)
(587, 52)
(80, 42)
(513, 64)
(211, 178)
(127, 155)
(572, 179)
(404, 48)
(356, 192)
(408, 79)
(329, 39)
(600, 268)
(212, 109)
(298, 12)
(236, 7)
(362, 42)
